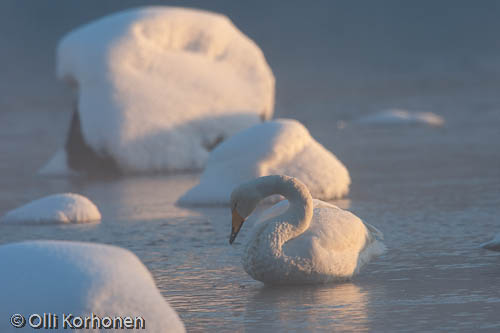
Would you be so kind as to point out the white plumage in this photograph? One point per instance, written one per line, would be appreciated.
(302, 240)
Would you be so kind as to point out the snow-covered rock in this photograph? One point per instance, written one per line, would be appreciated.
(61, 277)
(158, 87)
(398, 116)
(56, 208)
(282, 147)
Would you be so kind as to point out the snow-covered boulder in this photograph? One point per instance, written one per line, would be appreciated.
(280, 147)
(53, 209)
(159, 87)
(398, 116)
(81, 279)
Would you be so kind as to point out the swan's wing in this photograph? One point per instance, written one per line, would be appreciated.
(335, 229)
(332, 231)
(336, 238)
(374, 231)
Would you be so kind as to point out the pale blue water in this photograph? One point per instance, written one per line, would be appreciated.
(434, 192)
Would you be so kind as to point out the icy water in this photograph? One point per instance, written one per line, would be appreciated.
(434, 192)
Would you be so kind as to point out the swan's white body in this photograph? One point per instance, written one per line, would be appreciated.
(282, 146)
(493, 245)
(303, 240)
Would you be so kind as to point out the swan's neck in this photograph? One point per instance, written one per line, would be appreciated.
(296, 219)
(264, 251)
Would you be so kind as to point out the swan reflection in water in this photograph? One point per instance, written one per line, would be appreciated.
(328, 307)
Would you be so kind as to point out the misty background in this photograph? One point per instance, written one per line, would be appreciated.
(336, 52)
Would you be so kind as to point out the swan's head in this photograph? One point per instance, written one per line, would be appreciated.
(244, 199)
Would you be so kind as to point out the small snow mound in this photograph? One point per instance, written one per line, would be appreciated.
(397, 116)
(283, 147)
(158, 87)
(493, 245)
(53, 209)
(62, 277)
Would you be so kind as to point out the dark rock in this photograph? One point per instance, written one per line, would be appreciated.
(84, 159)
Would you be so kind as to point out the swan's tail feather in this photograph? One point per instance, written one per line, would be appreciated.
(491, 245)
(373, 247)
(374, 231)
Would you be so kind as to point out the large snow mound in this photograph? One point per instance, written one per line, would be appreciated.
(61, 277)
(56, 208)
(398, 116)
(158, 87)
(282, 147)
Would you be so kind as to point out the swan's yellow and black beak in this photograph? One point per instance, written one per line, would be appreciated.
(236, 225)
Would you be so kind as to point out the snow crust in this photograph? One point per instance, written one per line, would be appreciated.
(398, 116)
(80, 278)
(281, 147)
(159, 86)
(56, 208)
